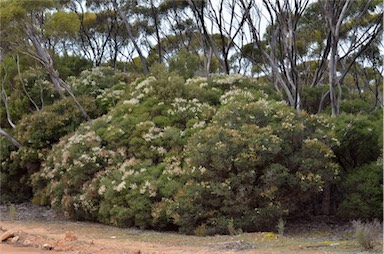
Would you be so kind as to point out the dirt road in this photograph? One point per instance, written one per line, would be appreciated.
(92, 238)
(39, 229)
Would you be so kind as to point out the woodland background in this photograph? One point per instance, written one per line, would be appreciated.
(189, 115)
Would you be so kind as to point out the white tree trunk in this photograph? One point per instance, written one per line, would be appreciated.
(10, 138)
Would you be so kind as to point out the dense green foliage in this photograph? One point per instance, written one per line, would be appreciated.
(37, 132)
(222, 154)
(360, 156)
(207, 156)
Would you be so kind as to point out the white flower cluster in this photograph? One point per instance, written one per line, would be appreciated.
(229, 79)
(201, 170)
(89, 77)
(148, 187)
(145, 86)
(132, 101)
(264, 105)
(110, 95)
(126, 168)
(197, 80)
(310, 177)
(120, 186)
(153, 133)
(160, 150)
(88, 153)
(173, 166)
(199, 125)
(320, 147)
(236, 94)
(185, 107)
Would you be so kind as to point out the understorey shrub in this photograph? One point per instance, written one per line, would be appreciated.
(104, 84)
(360, 139)
(37, 132)
(31, 91)
(115, 168)
(14, 177)
(231, 160)
(363, 188)
(360, 152)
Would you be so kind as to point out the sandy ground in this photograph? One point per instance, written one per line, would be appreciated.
(39, 227)
(91, 238)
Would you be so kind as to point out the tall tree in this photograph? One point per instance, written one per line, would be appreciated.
(334, 12)
(199, 9)
(122, 8)
(353, 27)
(22, 28)
(282, 53)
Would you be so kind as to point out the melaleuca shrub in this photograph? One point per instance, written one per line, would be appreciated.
(162, 158)
(226, 82)
(37, 132)
(199, 88)
(68, 65)
(14, 173)
(363, 190)
(257, 161)
(93, 81)
(122, 191)
(41, 91)
(360, 139)
(30, 92)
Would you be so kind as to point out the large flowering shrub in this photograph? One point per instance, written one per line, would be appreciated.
(149, 134)
(203, 156)
(37, 133)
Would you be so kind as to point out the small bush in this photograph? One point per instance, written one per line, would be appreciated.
(280, 226)
(367, 233)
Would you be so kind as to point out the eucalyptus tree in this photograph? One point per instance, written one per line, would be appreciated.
(23, 30)
(100, 36)
(123, 8)
(354, 28)
(225, 17)
(312, 44)
(279, 50)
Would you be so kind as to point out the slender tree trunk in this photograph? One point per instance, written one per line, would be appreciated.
(10, 138)
(335, 12)
(332, 78)
(326, 201)
(199, 13)
(131, 37)
(45, 59)
(4, 98)
(156, 21)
